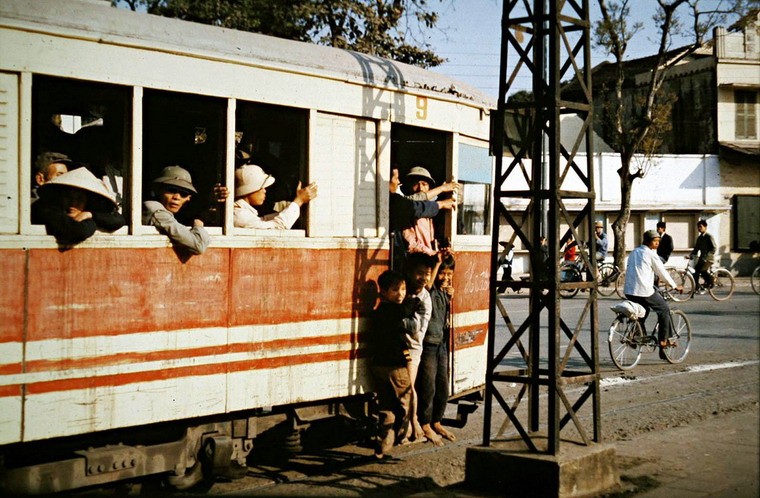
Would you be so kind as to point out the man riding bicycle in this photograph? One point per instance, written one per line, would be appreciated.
(643, 264)
(704, 247)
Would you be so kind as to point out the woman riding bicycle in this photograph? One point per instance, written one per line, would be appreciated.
(643, 264)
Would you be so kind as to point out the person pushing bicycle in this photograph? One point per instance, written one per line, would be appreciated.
(643, 264)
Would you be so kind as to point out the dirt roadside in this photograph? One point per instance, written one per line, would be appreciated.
(676, 434)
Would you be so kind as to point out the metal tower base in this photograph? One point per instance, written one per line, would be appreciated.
(508, 468)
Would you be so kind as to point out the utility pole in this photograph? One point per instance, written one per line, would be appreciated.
(549, 358)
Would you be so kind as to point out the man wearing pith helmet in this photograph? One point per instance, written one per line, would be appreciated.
(643, 264)
(172, 189)
(251, 184)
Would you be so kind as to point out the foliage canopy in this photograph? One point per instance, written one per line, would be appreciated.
(385, 28)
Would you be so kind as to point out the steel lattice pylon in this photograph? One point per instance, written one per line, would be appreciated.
(540, 187)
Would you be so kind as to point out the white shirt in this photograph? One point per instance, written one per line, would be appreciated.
(643, 264)
(246, 216)
(415, 340)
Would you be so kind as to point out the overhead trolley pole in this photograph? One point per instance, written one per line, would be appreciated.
(544, 187)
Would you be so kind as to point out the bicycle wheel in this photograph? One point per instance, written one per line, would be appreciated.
(723, 285)
(569, 274)
(625, 342)
(605, 279)
(680, 341)
(684, 278)
(755, 280)
(620, 285)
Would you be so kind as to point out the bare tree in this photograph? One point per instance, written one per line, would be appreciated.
(638, 127)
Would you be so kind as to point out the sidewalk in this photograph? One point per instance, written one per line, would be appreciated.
(716, 457)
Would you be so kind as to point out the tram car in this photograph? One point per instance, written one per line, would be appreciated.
(121, 358)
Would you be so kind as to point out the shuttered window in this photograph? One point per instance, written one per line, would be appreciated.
(345, 167)
(9, 153)
(746, 115)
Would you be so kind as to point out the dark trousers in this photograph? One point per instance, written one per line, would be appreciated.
(394, 391)
(658, 304)
(432, 383)
(702, 269)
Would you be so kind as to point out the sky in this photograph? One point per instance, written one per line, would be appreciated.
(469, 34)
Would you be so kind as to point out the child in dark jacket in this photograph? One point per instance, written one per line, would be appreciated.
(392, 320)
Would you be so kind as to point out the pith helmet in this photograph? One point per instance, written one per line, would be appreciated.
(249, 178)
(650, 235)
(176, 176)
(420, 173)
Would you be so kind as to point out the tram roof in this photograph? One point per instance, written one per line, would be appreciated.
(96, 19)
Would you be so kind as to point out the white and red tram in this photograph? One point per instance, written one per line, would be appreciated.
(118, 359)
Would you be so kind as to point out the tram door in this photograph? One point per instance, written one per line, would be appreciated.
(421, 147)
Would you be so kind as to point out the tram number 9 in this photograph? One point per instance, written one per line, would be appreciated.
(422, 107)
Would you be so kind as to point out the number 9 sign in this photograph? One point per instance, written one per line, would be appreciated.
(422, 108)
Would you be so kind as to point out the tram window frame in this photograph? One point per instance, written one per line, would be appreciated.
(475, 172)
(266, 133)
(415, 146)
(103, 144)
(176, 128)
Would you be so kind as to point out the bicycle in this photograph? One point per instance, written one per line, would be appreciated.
(620, 285)
(721, 289)
(627, 339)
(569, 272)
(683, 278)
(755, 280)
(607, 276)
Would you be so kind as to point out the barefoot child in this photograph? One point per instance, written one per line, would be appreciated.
(433, 377)
(392, 320)
(419, 268)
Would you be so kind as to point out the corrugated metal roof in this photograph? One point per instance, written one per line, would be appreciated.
(110, 25)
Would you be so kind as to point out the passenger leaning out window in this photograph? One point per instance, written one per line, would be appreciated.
(172, 190)
(251, 184)
(75, 204)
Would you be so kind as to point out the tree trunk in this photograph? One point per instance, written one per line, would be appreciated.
(618, 226)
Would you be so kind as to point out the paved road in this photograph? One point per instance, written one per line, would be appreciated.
(680, 430)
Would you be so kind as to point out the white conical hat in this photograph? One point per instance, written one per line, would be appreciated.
(79, 178)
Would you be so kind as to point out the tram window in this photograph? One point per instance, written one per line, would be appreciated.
(86, 121)
(188, 131)
(412, 146)
(475, 176)
(275, 138)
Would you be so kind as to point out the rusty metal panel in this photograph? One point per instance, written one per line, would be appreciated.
(94, 292)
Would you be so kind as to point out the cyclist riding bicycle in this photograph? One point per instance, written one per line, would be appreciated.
(704, 251)
(643, 264)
